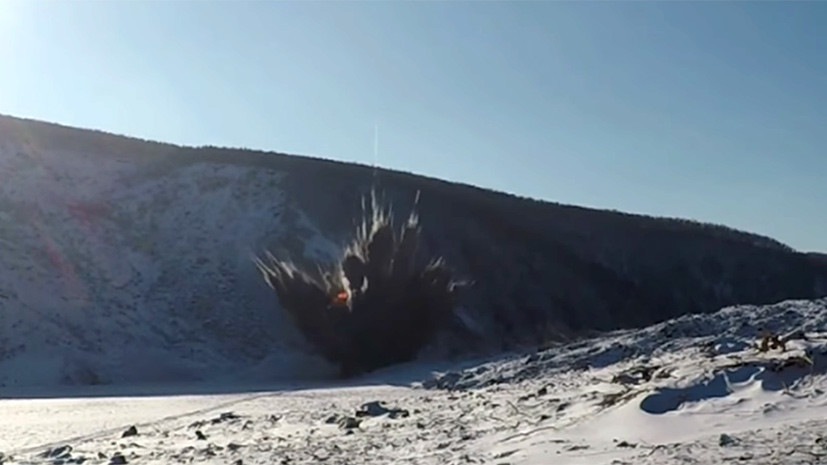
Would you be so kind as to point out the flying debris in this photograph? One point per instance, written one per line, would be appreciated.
(378, 306)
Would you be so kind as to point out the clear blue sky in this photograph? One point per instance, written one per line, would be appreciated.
(715, 111)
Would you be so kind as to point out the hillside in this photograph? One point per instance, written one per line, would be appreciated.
(125, 260)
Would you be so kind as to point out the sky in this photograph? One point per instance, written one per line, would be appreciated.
(715, 111)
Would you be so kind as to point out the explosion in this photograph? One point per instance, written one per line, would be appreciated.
(378, 306)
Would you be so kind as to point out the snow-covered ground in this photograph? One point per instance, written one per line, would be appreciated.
(691, 390)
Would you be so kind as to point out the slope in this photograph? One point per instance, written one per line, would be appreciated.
(126, 260)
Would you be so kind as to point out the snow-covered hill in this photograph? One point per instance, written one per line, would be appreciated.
(692, 390)
(117, 270)
(125, 261)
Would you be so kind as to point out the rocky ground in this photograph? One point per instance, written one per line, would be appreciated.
(698, 389)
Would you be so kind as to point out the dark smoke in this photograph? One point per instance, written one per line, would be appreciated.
(379, 306)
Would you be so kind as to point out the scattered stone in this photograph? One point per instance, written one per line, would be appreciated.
(726, 440)
(576, 447)
(375, 409)
(349, 423)
(132, 431)
(625, 378)
(321, 455)
(626, 444)
(200, 435)
(226, 416)
(118, 459)
(101, 455)
(332, 419)
(61, 452)
(233, 446)
(543, 391)
(238, 462)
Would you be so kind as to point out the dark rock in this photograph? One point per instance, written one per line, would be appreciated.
(232, 447)
(226, 416)
(198, 424)
(118, 459)
(375, 409)
(132, 431)
(200, 436)
(626, 444)
(542, 391)
(332, 419)
(371, 409)
(349, 423)
(61, 452)
(726, 440)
